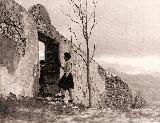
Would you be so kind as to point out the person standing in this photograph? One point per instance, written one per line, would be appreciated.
(42, 79)
(66, 82)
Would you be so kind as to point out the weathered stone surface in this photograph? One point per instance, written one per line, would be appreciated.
(9, 56)
(118, 94)
(101, 72)
(79, 75)
(42, 19)
(11, 24)
(19, 68)
(79, 68)
(18, 49)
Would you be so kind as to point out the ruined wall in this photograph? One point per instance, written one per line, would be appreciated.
(42, 20)
(18, 50)
(118, 93)
(19, 55)
(97, 73)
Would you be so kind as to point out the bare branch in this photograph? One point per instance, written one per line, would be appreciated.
(71, 31)
(91, 16)
(80, 12)
(93, 25)
(84, 32)
(90, 33)
(69, 16)
(74, 8)
(84, 29)
(94, 18)
(94, 48)
(79, 45)
(71, 39)
(75, 35)
(81, 57)
(73, 3)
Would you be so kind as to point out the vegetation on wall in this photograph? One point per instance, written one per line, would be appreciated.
(11, 26)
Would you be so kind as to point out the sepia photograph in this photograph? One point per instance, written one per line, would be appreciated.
(79, 61)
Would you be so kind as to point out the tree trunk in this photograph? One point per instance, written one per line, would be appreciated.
(88, 76)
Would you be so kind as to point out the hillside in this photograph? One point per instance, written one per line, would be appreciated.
(147, 84)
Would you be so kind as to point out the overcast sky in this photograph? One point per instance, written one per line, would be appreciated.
(127, 35)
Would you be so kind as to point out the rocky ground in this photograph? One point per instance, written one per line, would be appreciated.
(47, 111)
(119, 102)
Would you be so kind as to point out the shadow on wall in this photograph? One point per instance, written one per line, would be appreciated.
(8, 55)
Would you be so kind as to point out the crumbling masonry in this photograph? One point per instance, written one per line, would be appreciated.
(20, 33)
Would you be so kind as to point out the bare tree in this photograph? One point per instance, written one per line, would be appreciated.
(85, 17)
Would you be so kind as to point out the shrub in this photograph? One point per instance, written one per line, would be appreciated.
(138, 101)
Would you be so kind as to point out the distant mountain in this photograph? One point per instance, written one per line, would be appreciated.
(147, 84)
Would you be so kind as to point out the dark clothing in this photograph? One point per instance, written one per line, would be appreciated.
(66, 82)
(42, 80)
(43, 73)
(42, 89)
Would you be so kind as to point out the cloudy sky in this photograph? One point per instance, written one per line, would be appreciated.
(127, 35)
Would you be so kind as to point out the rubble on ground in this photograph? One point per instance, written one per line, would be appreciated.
(118, 93)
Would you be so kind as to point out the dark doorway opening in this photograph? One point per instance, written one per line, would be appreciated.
(52, 58)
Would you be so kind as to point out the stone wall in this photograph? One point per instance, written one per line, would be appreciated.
(19, 56)
(42, 20)
(118, 93)
(18, 50)
(79, 73)
(97, 76)
(79, 68)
